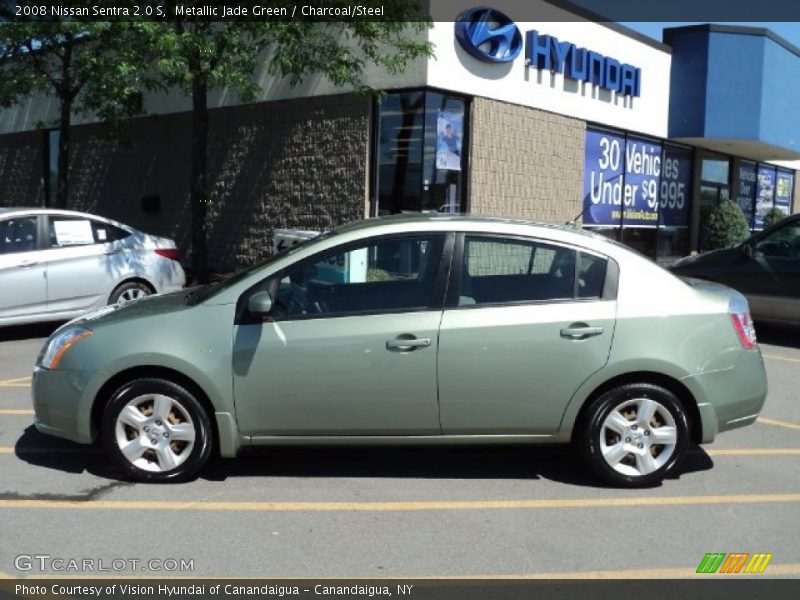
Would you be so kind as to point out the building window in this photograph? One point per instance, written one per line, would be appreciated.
(714, 187)
(420, 150)
(51, 192)
(637, 191)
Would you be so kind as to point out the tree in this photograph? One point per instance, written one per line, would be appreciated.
(726, 225)
(91, 68)
(772, 216)
(199, 55)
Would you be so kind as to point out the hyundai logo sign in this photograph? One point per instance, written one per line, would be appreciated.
(488, 35)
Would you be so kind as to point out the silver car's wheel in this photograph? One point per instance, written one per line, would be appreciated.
(129, 292)
(638, 437)
(633, 435)
(155, 433)
(157, 430)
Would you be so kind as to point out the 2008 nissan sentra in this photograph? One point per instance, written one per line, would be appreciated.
(414, 329)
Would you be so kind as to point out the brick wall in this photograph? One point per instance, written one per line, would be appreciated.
(289, 164)
(525, 163)
(22, 169)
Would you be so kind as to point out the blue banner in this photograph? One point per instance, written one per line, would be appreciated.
(783, 191)
(765, 193)
(676, 186)
(746, 194)
(602, 178)
(642, 175)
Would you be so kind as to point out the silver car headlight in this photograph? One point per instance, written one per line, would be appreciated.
(57, 346)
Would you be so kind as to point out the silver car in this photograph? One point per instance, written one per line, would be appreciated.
(58, 264)
(409, 330)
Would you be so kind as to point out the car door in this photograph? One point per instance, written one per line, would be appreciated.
(80, 269)
(22, 271)
(520, 333)
(774, 288)
(350, 346)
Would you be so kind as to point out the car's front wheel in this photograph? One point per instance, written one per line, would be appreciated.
(156, 430)
(634, 435)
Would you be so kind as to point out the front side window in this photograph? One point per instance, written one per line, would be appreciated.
(501, 270)
(783, 242)
(18, 235)
(387, 275)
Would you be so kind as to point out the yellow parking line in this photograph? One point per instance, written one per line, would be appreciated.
(778, 423)
(14, 411)
(45, 450)
(778, 357)
(16, 381)
(710, 452)
(754, 452)
(405, 506)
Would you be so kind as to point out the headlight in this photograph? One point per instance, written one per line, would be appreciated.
(57, 346)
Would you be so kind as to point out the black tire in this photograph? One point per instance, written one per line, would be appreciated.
(593, 436)
(129, 288)
(185, 410)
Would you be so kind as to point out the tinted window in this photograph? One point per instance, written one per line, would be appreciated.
(591, 276)
(74, 231)
(500, 270)
(18, 235)
(394, 274)
(784, 241)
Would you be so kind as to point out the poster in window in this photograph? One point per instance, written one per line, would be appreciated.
(746, 194)
(765, 193)
(783, 191)
(449, 135)
(642, 175)
(675, 186)
(603, 178)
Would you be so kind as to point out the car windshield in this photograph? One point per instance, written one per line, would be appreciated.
(206, 292)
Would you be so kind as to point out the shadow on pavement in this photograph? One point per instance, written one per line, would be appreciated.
(15, 333)
(778, 335)
(555, 463)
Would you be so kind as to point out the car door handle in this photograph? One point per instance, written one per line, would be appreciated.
(28, 264)
(580, 332)
(112, 251)
(406, 344)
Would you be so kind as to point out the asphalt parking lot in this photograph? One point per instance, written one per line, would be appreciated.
(441, 512)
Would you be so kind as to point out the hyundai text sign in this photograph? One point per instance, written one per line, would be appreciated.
(490, 36)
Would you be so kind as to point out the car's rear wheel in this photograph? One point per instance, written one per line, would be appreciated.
(129, 291)
(156, 430)
(634, 435)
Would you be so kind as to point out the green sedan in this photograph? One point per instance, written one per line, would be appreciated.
(426, 329)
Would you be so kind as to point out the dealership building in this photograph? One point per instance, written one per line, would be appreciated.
(557, 119)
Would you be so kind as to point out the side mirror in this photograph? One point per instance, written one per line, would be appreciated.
(259, 305)
(747, 250)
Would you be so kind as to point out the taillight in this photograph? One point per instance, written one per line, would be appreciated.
(170, 253)
(742, 323)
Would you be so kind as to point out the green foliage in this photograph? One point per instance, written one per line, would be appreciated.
(94, 68)
(726, 225)
(772, 216)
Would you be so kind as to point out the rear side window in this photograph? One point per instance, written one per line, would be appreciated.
(74, 231)
(501, 270)
(591, 276)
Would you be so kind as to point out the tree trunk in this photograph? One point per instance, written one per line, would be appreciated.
(62, 185)
(198, 195)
